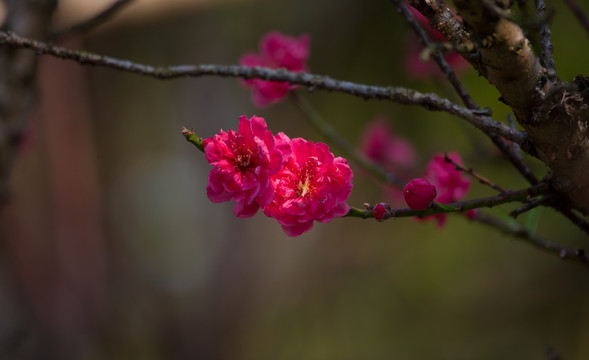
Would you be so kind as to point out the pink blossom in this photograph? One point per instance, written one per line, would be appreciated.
(243, 163)
(393, 153)
(285, 51)
(312, 185)
(450, 183)
(423, 70)
(378, 143)
(419, 194)
(276, 51)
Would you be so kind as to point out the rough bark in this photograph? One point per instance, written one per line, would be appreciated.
(554, 113)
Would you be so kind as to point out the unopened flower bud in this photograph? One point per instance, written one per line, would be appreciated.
(381, 211)
(419, 194)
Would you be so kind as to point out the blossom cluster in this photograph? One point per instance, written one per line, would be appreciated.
(294, 181)
(276, 51)
(441, 181)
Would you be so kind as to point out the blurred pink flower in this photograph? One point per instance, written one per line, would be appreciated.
(393, 153)
(312, 185)
(419, 194)
(243, 163)
(426, 69)
(450, 183)
(276, 51)
(285, 51)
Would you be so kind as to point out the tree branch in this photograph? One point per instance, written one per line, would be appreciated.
(579, 14)
(461, 206)
(437, 55)
(478, 118)
(481, 179)
(92, 22)
(522, 233)
(439, 14)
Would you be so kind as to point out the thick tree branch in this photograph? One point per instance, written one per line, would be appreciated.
(441, 18)
(553, 114)
(479, 119)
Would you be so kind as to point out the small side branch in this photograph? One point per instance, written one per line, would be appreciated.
(437, 56)
(478, 118)
(329, 132)
(522, 233)
(481, 179)
(579, 14)
(93, 22)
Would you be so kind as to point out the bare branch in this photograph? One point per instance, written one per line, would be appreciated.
(481, 179)
(522, 233)
(478, 118)
(93, 22)
(533, 204)
(579, 14)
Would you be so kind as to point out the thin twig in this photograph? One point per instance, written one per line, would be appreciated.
(461, 206)
(574, 218)
(515, 149)
(533, 204)
(579, 14)
(332, 135)
(478, 118)
(437, 55)
(547, 47)
(522, 233)
(474, 174)
(92, 22)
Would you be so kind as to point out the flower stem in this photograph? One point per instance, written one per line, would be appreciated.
(192, 138)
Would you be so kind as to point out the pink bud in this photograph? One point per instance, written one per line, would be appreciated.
(471, 214)
(381, 211)
(419, 194)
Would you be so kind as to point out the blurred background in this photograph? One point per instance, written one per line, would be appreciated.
(112, 250)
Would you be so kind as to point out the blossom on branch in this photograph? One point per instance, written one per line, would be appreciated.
(419, 194)
(276, 51)
(450, 183)
(243, 163)
(393, 153)
(312, 186)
